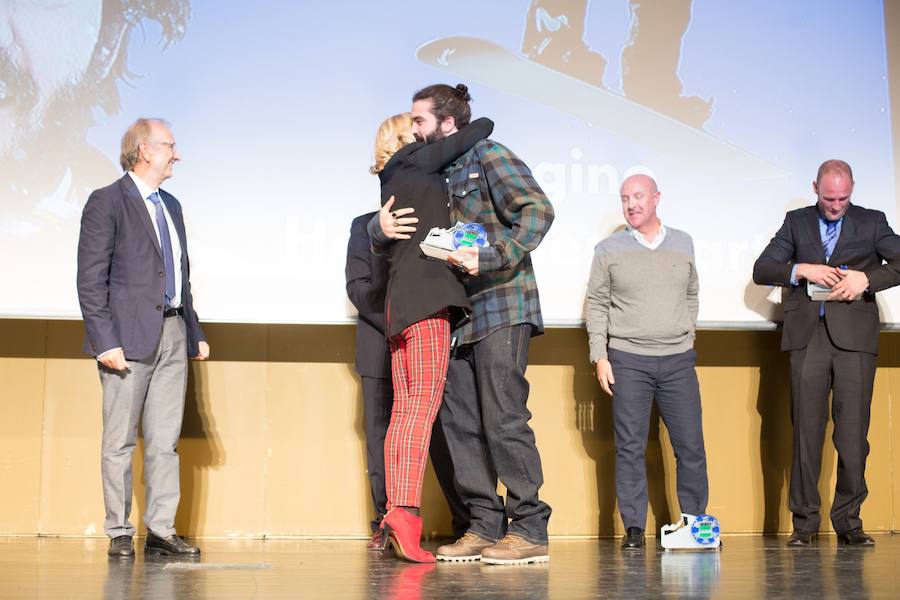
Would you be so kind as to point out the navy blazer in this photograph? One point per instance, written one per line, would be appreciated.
(367, 276)
(867, 243)
(121, 276)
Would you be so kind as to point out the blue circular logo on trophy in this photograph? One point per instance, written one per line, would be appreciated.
(469, 235)
(705, 530)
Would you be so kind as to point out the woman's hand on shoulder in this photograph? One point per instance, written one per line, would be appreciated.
(395, 223)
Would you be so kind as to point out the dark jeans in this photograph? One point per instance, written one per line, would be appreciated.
(672, 382)
(486, 425)
(850, 376)
(378, 398)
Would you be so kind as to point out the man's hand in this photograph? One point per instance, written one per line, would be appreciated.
(114, 359)
(203, 351)
(851, 287)
(393, 223)
(605, 375)
(820, 274)
(465, 259)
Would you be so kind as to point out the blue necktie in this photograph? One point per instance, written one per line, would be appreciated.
(828, 242)
(166, 244)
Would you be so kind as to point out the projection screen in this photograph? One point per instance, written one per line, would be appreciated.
(274, 106)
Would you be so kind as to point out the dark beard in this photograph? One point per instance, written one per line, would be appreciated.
(47, 141)
(18, 91)
(437, 134)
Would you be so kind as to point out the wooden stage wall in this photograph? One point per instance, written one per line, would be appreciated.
(273, 436)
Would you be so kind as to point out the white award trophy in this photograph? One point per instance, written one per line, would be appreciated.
(699, 532)
(439, 243)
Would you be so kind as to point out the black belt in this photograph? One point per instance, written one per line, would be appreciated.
(173, 312)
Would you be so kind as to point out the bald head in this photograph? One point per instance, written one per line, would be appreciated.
(833, 187)
(640, 196)
(834, 167)
(642, 180)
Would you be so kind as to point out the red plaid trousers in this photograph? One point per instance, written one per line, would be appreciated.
(419, 358)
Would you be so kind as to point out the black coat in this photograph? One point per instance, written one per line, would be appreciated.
(419, 286)
(367, 277)
(866, 242)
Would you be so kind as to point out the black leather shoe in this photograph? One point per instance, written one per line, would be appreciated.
(172, 545)
(801, 538)
(634, 538)
(121, 547)
(856, 537)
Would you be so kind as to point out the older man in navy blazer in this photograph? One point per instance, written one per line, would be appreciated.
(135, 294)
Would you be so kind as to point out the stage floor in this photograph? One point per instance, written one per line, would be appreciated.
(748, 567)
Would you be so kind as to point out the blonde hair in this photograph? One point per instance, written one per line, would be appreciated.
(394, 133)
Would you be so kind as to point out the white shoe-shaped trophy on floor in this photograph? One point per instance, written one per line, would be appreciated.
(699, 532)
(439, 242)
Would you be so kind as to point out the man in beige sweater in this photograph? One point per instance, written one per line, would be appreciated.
(642, 305)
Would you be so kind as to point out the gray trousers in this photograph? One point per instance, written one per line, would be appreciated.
(672, 381)
(850, 376)
(150, 393)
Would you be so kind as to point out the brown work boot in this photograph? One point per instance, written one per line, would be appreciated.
(515, 550)
(468, 547)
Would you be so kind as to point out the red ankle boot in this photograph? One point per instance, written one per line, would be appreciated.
(404, 530)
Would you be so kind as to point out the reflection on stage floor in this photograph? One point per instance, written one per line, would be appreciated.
(747, 567)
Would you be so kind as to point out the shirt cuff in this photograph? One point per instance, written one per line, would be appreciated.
(598, 352)
(111, 350)
(376, 235)
(489, 259)
(794, 280)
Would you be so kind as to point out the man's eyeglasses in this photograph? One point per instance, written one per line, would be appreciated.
(169, 144)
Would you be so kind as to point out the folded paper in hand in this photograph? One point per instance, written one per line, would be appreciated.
(439, 242)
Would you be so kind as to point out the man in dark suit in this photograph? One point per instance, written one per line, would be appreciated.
(833, 343)
(367, 277)
(135, 294)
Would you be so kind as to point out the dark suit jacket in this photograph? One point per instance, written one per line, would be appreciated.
(866, 242)
(121, 277)
(367, 277)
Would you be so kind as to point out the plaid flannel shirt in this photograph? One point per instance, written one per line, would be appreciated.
(490, 185)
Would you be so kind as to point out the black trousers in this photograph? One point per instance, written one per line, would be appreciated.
(815, 370)
(378, 397)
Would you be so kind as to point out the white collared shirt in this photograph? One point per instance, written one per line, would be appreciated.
(145, 192)
(654, 244)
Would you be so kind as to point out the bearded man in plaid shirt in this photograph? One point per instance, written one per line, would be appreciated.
(484, 415)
